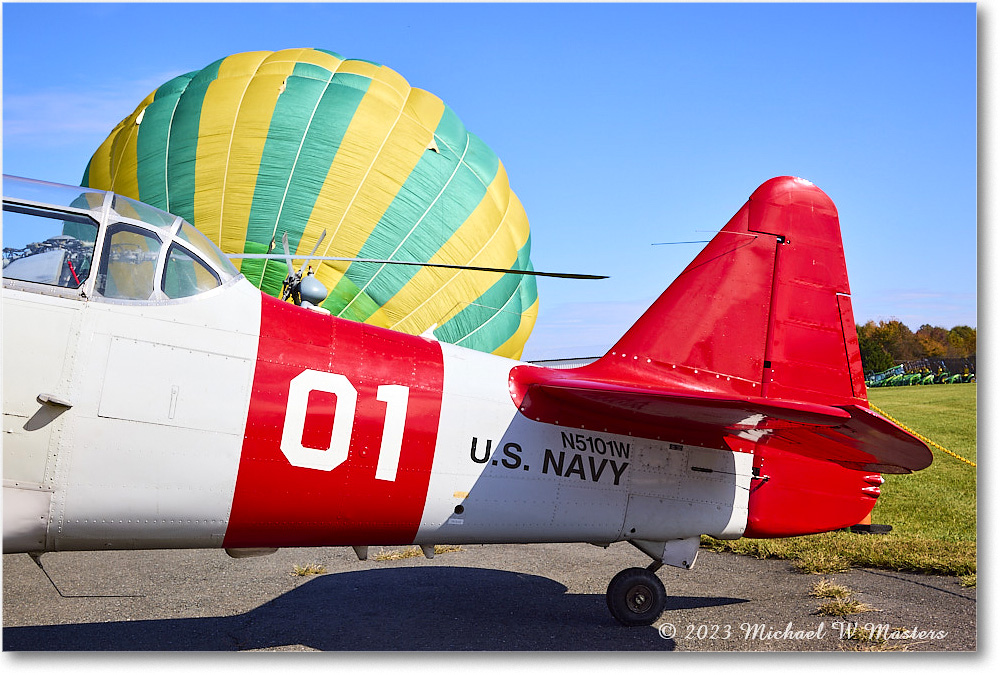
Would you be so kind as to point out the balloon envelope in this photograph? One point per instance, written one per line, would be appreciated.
(302, 140)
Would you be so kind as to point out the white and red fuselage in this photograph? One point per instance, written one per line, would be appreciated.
(231, 419)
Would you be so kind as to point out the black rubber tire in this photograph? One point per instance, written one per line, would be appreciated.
(636, 597)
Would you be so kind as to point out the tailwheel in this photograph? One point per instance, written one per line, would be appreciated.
(636, 597)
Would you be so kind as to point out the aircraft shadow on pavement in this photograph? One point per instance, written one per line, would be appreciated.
(436, 609)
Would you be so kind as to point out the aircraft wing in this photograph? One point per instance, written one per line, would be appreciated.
(852, 435)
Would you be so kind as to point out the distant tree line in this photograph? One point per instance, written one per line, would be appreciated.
(889, 343)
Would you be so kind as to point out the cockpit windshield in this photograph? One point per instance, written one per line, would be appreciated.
(56, 235)
(203, 245)
(135, 210)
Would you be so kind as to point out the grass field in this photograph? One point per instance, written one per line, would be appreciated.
(932, 512)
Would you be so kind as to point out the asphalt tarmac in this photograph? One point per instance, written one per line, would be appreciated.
(539, 597)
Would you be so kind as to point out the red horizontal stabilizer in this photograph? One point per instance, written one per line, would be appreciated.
(556, 397)
(680, 417)
(854, 436)
(867, 442)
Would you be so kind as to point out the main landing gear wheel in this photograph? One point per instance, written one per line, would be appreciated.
(636, 597)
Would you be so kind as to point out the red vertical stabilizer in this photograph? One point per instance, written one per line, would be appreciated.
(763, 311)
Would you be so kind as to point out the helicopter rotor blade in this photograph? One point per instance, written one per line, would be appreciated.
(288, 256)
(288, 286)
(310, 258)
(474, 268)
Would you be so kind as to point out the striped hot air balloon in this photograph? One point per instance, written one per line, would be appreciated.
(302, 140)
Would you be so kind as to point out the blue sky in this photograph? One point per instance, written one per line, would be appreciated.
(620, 125)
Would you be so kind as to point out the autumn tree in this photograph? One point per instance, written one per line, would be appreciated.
(962, 341)
(886, 343)
(898, 340)
(874, 357)
(933, 341)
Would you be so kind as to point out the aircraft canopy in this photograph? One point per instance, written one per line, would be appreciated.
(53, 233)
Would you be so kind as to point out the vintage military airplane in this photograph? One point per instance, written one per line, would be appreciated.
(154, 398)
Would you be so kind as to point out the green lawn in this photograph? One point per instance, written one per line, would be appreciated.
(940, 501)
(932, 512)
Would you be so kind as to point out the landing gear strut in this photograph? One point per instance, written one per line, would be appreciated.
(636, 596)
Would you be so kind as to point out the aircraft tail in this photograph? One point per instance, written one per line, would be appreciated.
(763, 311)
(753, 348)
